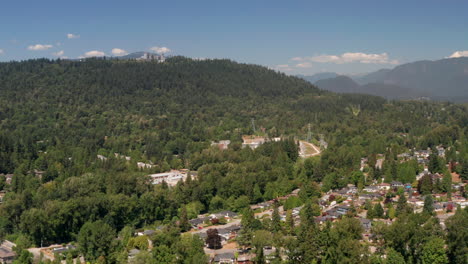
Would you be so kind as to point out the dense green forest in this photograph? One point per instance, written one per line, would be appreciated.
(57, 116)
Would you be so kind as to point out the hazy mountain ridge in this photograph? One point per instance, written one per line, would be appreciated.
(445, 79)
(344, 84)
(318, 76)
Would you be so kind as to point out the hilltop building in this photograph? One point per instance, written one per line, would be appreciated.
(172, 177)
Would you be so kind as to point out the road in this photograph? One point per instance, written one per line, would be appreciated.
(305, 149)
(232, 223)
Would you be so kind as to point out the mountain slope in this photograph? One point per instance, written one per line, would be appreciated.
(160, 109)
(390, 91)
(443, 79)
(373, 77)
(339, 84)
(344, 84)
(318, 76)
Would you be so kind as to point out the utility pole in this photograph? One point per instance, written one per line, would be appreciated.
(253, 125)
(309, 134)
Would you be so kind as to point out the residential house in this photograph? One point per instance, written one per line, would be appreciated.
(228, 232)
(384, 186)
(333, 213)
(246, 258)
(325, 218)
(222, 144)
(342, 209)
(62, 250)
(171, 178)
(252, 141)
(369, 196)
(371, 189)
(146, 233)
(269, 253)
(127, 158)
(424, 154)
(7, 255)
(142, 165)
(441, 151)
(421, 174)
(224, 214)
(416, 202)
(439, 207)
(101, 157)
(261, 205)
(404, 156)
(363, 163)
(224, 258)
(365, 223)
(132, 253)
(2, 194)
(198, 222)
(396, 184)
(379, 163)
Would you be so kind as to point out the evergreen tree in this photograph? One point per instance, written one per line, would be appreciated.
(307, 215)
(25, 257)
(257, 194)
(457, 237)
(434, 163)
(69, 259)
(391, 213)
(260, 258)
(447, 184)
(370, 213)
(2, 181)
(425, 185)
(276, 219)
(464, 171)
(290, 225)
(394, 257)
(434, 252)
(428, 204)
(402, 206)
(184, 222)
(95, 239)
(378, 211)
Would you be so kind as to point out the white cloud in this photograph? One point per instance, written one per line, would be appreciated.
(1, 51)
(58, 53)
(304, 65)
(326, 58)
(350, 57)
(39, 47)
(93, 53)
(283, 67)
(160, 50)
(72, 36)
(119, 52)
(297, 59)
(458, 54)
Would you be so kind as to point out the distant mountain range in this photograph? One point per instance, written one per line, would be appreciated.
(344, 84)
(140, 55)
(318, 76)
(136, 55)
(445, 79)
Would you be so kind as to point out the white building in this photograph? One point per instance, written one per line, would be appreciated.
(171, 178)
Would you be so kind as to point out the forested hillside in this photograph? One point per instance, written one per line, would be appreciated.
(57, 116)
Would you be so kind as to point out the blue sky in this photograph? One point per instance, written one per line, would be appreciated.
(292, 36)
